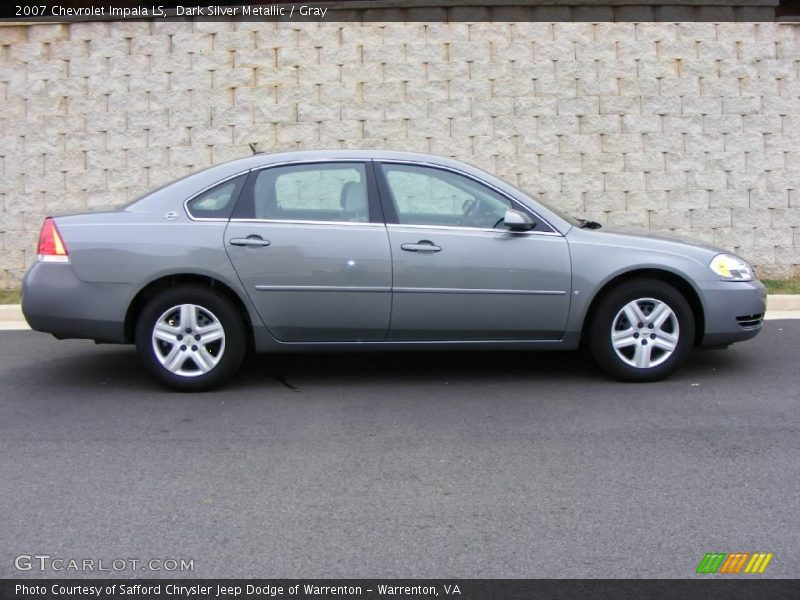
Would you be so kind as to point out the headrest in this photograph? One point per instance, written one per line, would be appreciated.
(263, 193)
(353, 197)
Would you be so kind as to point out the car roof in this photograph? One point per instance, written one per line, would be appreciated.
(268, 158)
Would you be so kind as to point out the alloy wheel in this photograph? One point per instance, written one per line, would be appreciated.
(188, 340)
(645, 333)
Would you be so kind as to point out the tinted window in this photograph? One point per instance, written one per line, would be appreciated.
(316, 192)
(216, 203)
(429, 196)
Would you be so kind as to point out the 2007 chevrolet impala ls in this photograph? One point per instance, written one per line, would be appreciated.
(344, 250)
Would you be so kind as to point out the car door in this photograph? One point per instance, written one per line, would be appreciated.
(310, 246)
(459, 274)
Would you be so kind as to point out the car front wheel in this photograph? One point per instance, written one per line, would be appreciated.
(190, 338)
(642, 331)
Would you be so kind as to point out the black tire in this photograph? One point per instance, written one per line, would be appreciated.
(607, 316)
(230, 351)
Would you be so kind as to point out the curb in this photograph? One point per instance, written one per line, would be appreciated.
(777, 315)
(779, 306)
(11, 318)
(783, 302)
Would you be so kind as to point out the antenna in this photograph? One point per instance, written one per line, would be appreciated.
(253, 148)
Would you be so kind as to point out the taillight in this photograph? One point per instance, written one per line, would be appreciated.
(51, 246)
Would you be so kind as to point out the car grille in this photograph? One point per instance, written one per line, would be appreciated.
(750, 321)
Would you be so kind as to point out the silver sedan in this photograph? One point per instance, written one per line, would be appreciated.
(355, 250)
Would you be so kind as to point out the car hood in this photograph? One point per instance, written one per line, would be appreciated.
(646, 237)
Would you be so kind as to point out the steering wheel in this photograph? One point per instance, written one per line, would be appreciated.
(470, 208)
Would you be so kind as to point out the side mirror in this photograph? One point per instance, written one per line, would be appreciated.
(517, 221)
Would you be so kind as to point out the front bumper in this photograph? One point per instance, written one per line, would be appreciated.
(733, 310)
(55, 301)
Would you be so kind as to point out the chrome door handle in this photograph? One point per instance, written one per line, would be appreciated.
(421, 246)
(253, 241)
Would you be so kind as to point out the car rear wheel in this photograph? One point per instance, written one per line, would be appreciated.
(642, 331)
(190, 338)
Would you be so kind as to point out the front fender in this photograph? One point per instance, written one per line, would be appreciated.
(597, 261)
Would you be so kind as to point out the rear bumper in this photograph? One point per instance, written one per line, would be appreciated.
(55, 301)
(734, 311)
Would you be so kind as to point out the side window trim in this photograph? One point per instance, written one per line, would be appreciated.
(237, 193)
(391, 213)
(377, 209)
(245, 205)
(385, 194)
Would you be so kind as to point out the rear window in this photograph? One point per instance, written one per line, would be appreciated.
(217, 202)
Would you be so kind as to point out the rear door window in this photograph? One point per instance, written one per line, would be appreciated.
(312, 192)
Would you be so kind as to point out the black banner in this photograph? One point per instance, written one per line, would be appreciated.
(409, 589)
(404, 10)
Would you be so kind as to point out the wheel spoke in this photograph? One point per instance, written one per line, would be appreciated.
(634, 313)
(660, 312)
(204, 361)
(666, 341)
(642, 356)
(193, 314)
(211, 333)
(187, 311)
(623, 338)
(175, 359)
(166, 333)
(659, 315)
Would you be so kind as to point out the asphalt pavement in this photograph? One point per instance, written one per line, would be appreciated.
(401, 465)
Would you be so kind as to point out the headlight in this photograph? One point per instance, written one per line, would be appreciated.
(731, 268)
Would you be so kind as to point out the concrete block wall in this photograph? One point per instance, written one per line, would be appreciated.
(685, 127)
